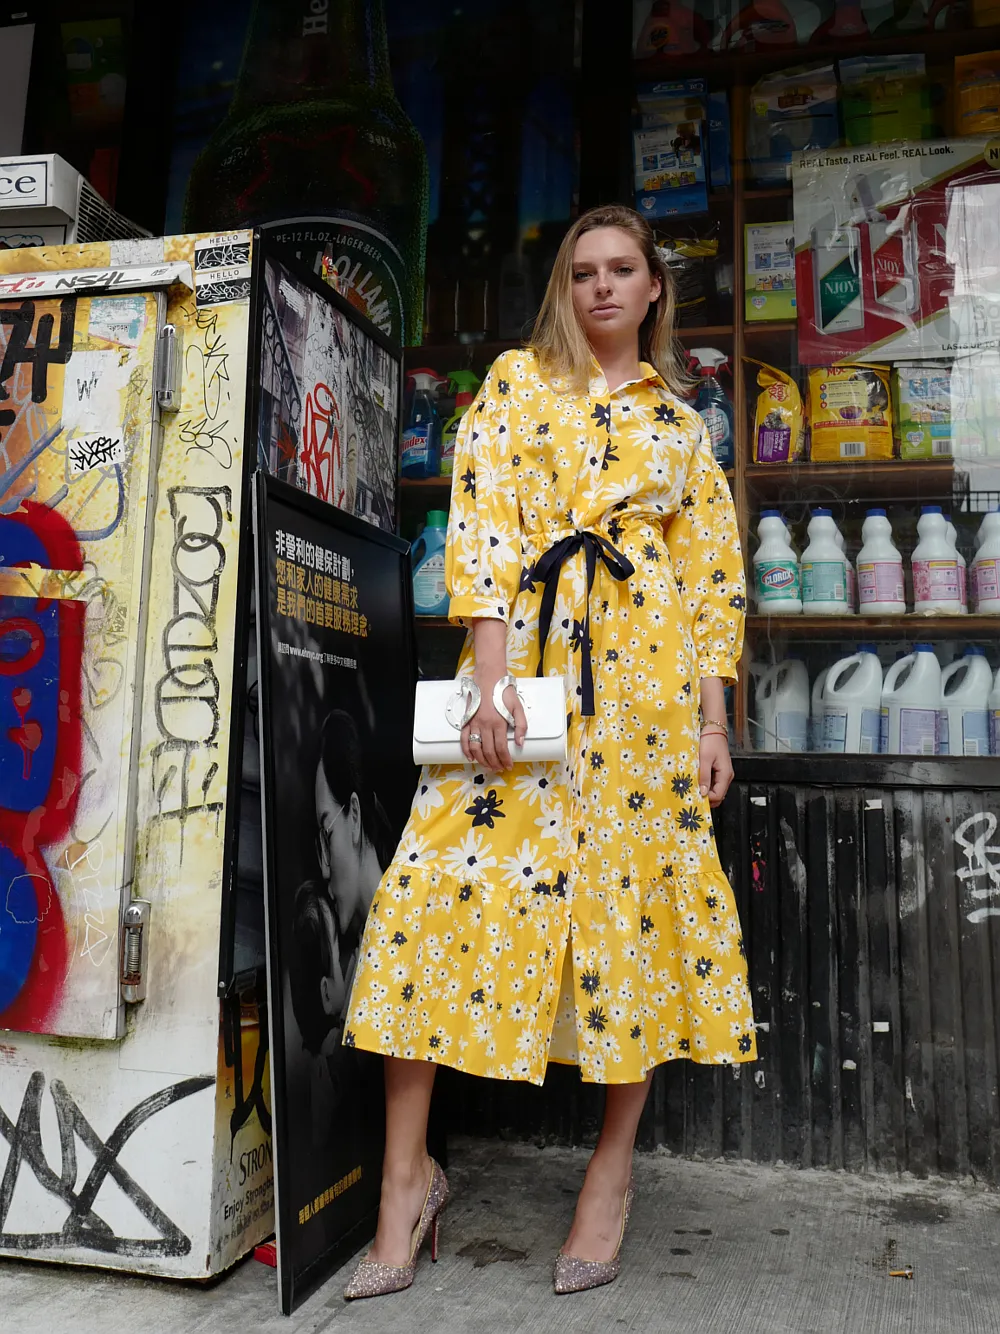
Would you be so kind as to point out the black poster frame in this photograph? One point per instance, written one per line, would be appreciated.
(296, 1281)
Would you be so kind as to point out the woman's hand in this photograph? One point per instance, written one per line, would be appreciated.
(716, 767)
(491, 749)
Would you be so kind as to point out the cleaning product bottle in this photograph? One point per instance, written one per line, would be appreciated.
(782, 706)
(852, 579)
(994, 711)
(880, 569)
(936, 582)
(422, 436)
(466, 383)
(775, 568)
(430, 595)
(963, 719)
(816, 711)
(911, 698)
(824, 568)
(852, 703)
(757, 672)
(952, 532)
(712, 403)
(986, 566)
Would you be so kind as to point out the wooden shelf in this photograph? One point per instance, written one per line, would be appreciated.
(910, 628)
(704, 331)
(758, 328)
(445, 357)
(798, 483)
(425, 483)
(437, 623)
(769, 192)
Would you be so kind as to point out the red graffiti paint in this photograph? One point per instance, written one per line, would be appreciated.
(29, 735)
(321, 456)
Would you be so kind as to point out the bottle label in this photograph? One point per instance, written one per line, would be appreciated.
(871, 729)
(995, 731)
(918, 729)
(429, 589)
(416, 446)
(937, 581)
(361, 263)
(791, 730)
(823, 581)
(943, 732)
(880, 581)
(716, 425)
(776, 580)
(975, 732)
(834, 734)
(986, 580)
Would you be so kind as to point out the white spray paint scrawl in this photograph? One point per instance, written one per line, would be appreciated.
(982, 861)
(87, 452)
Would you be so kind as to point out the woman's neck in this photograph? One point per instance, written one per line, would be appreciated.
(619, 362)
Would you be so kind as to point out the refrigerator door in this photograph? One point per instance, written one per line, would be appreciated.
(79, 441)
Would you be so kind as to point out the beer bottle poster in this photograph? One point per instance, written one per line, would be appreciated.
(337, 678)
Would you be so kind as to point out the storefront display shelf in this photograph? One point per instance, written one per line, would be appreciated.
(756, 328)
(811, 768)
(899, 629)
(425, 483)
(777, 483)
(437, 623)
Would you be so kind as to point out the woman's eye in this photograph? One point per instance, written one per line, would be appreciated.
(580, 276)
(625, 269)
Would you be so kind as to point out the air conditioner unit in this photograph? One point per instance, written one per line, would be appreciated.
(45, 201)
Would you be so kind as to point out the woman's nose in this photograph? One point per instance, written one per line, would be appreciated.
(603, 283)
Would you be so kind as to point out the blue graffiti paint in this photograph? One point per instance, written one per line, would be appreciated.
(19, 915)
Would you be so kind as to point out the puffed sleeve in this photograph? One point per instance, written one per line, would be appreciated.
(483, 556)
(704, 544)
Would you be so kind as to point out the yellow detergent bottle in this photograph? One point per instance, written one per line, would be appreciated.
(466, 383)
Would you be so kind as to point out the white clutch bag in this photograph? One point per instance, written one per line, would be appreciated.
(443, 707)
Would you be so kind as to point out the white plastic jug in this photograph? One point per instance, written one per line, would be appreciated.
(782, 706)
(824, 569)
(880, 569)
(962, 565)
(937, 568)
(994, 708)
(775, 568)
(852, 578)
(911, 698)
(816, 711)
(852, 702)
(963, 719)
(986, 566)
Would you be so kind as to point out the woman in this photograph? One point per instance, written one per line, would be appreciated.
(571, 912)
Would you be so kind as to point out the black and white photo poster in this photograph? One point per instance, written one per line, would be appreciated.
(336, 677)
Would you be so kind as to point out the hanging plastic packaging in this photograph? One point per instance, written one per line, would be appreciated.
(880, 569)
(775, 568)
(850, 419)
(782, 706)
(911, 699)
(937, 576)
(852, 703)
(779, 428)
(963, 719)
(986, 567)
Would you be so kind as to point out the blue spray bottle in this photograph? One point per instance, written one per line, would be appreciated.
(712, 403)
(422, 435)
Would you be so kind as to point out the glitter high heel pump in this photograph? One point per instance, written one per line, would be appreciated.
(372, 1279)
(574, 1275)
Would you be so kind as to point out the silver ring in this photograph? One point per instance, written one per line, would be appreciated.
(476, 738)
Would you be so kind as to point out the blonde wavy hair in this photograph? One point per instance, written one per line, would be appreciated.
(558, 339)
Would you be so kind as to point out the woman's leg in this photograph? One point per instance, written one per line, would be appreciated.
(597, 1224)
(406, 1167)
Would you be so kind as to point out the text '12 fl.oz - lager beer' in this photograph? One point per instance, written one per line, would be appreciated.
(315, 139)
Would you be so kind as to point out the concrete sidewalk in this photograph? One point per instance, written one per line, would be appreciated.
(713, 1248)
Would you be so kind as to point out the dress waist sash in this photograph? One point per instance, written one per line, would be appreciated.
(547, 569)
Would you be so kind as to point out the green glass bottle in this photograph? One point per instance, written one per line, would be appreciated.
(315, 136)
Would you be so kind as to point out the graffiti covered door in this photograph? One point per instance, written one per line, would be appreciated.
(78, 437)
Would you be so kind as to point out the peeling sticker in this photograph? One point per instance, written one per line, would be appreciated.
(849, 1065)
(763, 1028)
(873, 804)
(880, 1026)
(758, 801)
(87, 452)
(909, 1093)
(758, 1079)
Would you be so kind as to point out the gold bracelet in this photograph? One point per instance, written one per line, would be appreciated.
(714, 722)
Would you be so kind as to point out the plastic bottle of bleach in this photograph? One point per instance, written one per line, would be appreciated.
(775, 567)
(422, 436)
(911, 698)
(852, 702)
(963, 720)
(962, 566)
(782, 706)
(430, 596)
(816, 711)
(712, 403)
(986, 566)
(880, 569)
(824, 568)
(937, 583)
(994, 709)
(852, 578)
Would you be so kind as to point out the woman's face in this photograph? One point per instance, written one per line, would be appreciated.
(339, 846)
(612, 285)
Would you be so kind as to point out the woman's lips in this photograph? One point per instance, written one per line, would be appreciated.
(604, 310)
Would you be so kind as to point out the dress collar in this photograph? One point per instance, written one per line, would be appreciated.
(648, 374)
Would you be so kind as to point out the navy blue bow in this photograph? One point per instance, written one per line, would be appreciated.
(547, 570)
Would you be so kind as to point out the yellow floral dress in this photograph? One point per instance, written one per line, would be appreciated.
(579, 911)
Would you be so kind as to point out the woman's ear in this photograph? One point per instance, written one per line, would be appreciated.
(355, 816)
(323, 854)
(655, 287)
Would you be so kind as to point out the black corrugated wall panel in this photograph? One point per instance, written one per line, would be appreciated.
(871, 921)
